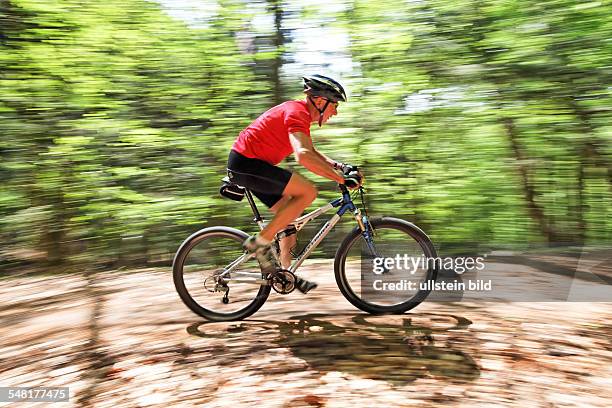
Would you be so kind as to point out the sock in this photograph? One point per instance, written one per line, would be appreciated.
(259, 240)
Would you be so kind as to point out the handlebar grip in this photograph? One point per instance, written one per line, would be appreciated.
(352, 179)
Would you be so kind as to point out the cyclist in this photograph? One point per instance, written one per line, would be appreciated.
(252, 163)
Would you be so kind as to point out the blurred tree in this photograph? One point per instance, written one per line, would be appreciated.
(117, 122)
(486, 122)
(499, 73)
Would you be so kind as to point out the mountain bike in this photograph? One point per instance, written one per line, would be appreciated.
(219, 281)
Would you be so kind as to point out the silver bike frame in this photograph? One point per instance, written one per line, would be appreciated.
(299, 223)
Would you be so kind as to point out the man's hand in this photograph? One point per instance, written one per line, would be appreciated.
(345, 168)
(353, 179)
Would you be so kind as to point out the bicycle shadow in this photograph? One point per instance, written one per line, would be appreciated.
(385, 348)
(371, 348)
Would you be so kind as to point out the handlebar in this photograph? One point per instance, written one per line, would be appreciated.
(352, 177)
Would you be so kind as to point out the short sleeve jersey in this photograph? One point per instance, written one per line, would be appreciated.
(267, 138)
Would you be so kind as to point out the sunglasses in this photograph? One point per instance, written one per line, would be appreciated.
(334, 104)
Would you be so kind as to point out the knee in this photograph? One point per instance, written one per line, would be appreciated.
(301, 189)
(310, 193)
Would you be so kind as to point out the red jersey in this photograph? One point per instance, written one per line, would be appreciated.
(267, 138)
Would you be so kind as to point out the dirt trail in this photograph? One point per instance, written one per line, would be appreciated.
(122, 339)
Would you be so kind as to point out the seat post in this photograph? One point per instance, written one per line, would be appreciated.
(249, 197)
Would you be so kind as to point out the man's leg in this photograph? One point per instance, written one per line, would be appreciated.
(301, 193)
(297, 196)
(287, 194)
(286, 243)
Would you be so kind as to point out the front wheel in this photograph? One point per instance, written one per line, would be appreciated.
(199, 275)
(390, 271)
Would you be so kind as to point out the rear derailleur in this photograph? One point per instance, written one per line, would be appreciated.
(220, 285)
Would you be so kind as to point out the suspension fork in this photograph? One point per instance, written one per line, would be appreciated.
(366, 231)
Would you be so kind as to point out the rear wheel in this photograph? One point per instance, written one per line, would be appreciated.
(196, 268)
(396, 284)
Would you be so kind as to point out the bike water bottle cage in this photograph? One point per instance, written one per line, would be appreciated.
(231, 190)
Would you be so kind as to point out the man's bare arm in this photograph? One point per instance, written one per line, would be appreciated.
(309, 157)
(327, 159)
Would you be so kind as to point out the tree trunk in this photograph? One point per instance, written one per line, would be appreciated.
(535, 210)
(590, 150)
(580, 205)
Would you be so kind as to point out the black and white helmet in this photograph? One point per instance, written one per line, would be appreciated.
(325, 87)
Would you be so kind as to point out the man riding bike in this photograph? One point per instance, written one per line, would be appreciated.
(252, 163)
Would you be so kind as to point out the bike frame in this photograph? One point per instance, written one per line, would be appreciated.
(343, 204)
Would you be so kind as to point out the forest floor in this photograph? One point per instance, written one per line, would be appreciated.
(125, 339)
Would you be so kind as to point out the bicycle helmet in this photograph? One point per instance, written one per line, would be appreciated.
(324, 87)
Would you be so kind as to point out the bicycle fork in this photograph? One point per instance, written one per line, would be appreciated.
(366, 232)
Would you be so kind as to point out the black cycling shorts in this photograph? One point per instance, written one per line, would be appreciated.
(267, 182)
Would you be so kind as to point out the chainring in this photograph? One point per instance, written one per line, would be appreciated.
(283, 281)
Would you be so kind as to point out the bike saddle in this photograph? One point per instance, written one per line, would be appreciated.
(231, 190)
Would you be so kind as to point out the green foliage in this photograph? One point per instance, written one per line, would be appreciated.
(485, 122)
(115, 123)
(495, 110)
